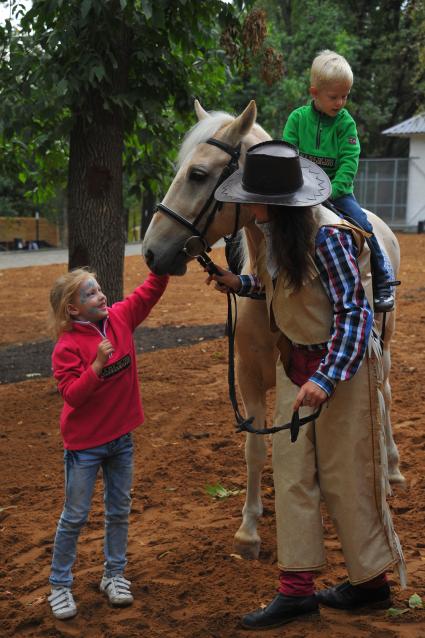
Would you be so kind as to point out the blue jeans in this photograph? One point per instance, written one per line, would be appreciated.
(81, 468)
(349, 204)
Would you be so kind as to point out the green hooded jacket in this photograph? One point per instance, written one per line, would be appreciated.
(330, 142)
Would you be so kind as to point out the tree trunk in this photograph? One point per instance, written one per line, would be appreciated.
(95, 213)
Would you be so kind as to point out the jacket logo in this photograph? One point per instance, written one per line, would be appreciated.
(327, 162)
(117, 366)
(352, 140)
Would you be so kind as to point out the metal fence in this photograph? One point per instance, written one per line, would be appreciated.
(381, 187)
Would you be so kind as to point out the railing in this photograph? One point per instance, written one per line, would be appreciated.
(381, 187)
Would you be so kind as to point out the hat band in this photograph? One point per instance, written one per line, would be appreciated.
(267, 192)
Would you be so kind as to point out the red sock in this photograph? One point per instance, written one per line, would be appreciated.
(374, 583)
(296, 583)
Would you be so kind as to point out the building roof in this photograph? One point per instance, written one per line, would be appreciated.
(413, 126)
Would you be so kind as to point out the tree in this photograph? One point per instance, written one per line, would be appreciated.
(382, 40)
(111, 70)
(33, 161)
(111, 85)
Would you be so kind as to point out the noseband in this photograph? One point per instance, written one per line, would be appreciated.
(231, 167)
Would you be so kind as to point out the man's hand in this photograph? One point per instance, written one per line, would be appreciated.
(310, 395)
(104, 350)
(224, 282)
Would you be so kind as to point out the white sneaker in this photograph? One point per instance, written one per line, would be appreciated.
(117, 588)
(62, 603)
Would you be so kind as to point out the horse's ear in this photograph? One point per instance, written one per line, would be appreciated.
(243, 123)
(201, 113)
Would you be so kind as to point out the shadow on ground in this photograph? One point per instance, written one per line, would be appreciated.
(30, 360)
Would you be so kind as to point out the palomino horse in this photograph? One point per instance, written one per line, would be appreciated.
(210, 151)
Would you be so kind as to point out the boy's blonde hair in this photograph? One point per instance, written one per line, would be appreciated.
(61, 295)
(328, 67)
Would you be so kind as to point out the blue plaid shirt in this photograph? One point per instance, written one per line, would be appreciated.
(335, 258)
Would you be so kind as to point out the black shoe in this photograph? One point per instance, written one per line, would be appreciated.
(347, 596)
(383, 298)
(280, 611)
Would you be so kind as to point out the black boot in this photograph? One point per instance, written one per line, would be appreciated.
(280, 611)
(383, 297)
(348, 596)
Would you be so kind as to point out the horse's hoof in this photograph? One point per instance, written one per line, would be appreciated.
(250, 550)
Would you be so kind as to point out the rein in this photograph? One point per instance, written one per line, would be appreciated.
(242, 425)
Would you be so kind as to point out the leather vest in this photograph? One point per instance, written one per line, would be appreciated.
(305, 316)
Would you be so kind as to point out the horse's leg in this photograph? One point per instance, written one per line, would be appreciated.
(247, 540)
(394, 474)
(256, 373)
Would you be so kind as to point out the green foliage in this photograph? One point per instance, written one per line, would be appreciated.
(393, 612)
(219, 491)
(382, 40)
(145, 61)
(141, 61)
(415, 602)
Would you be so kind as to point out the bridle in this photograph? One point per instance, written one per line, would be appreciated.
(211, 206)
(210, 209)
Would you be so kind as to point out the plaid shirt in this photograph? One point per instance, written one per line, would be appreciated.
(335, 257)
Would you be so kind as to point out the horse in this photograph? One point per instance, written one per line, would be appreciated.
(211, 150)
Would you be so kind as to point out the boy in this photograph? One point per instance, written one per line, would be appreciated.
(326, 133)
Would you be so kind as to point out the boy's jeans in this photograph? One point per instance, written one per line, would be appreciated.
(349, 204)
(81, 468)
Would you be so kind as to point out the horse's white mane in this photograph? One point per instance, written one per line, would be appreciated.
(201, 131)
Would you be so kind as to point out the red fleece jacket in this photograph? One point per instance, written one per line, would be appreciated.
(100, 409)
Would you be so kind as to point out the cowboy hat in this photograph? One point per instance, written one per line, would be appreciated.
(274, 173)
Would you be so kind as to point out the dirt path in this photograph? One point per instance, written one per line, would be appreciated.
(187, 583)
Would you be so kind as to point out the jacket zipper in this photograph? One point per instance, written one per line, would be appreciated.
(319, 121)
(102, 334)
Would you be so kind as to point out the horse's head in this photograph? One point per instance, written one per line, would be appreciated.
(210, 151)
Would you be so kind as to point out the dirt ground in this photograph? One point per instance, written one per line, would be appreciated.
(186, 580)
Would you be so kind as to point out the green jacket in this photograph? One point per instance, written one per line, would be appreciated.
(330, 142)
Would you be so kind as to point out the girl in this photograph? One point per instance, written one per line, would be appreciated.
(94, 363)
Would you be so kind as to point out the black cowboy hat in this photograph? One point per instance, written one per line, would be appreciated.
(274, 173)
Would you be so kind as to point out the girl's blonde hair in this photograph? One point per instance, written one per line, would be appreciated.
(329, 66)
(61, 295)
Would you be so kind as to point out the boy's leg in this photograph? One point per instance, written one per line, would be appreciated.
(348, 204)
(80, 476)
(117, 477)
(383, 294)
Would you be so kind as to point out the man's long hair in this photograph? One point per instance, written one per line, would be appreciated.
(292, 230)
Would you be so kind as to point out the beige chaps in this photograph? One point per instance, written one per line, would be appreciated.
(340, 458)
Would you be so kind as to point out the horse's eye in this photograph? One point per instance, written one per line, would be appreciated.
(196, 175)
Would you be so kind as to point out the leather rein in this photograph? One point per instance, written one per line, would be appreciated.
(210, 209)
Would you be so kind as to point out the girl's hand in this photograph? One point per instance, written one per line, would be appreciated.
(104, 351)
(310, 395)
(225, 281)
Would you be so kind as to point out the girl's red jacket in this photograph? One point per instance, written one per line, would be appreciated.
(100, 409)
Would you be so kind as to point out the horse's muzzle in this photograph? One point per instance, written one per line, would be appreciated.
(166, 266)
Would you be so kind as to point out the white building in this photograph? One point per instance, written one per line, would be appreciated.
(414, 129)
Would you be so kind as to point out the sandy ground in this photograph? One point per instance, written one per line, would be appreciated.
(186, 580)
